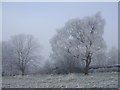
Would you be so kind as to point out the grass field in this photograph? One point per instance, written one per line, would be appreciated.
(93, 80)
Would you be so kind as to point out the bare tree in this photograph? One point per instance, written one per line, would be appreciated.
(25, 50)
(81, 38)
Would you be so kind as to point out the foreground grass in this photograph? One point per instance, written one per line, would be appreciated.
(93, 80)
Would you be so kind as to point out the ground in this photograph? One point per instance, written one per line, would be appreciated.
(93, 80)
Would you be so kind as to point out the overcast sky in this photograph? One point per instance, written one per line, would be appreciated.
(42, 19)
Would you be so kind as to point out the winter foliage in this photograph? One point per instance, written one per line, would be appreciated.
(79, 39)
(78, 47)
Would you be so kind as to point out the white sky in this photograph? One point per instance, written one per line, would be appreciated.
(42, 19)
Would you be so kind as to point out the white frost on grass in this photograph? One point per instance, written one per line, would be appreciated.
(100, 80)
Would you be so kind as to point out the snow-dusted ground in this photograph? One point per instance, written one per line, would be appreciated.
(104, 80)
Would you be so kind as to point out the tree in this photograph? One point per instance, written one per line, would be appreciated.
(64, 62)
(81, 38)
(25, 50)
(112, 56)
(8, 65)
(100, 59)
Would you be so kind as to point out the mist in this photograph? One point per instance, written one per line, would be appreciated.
(59, 45)
(43, 19)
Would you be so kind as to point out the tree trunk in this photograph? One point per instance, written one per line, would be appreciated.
(86, 68)
(23, 72)
(88, 61)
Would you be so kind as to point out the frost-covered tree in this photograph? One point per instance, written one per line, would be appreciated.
(8, 59)
(112, 56)
(80, 38)
(100, 59)
(64, 62)
(25, 49)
